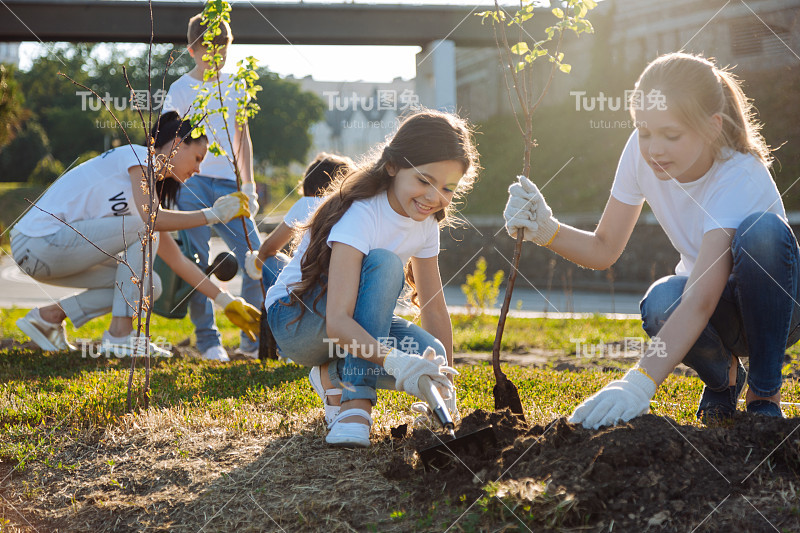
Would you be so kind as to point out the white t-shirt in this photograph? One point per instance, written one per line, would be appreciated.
(734, 187)
(368, 225)
(179, 98)
(301, 210)
(97, 188)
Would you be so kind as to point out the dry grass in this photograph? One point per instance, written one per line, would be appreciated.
(163, 470)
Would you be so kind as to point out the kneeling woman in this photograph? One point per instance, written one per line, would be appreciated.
(103, 199)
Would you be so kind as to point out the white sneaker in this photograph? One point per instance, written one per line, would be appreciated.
(48, 336)
(245, 353)
(216, 353)
(129, 346)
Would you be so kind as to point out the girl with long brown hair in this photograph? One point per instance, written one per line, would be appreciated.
(337, 295)
(699, 161)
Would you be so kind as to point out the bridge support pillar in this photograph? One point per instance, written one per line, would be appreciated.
(436, 75)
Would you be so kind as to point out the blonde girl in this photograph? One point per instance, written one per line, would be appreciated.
(702, 166)
(344, 280)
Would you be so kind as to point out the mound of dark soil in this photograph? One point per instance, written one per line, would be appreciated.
(648, 474)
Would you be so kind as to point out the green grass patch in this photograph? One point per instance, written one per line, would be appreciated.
(170, 330)
(470, 333)
(477, 333)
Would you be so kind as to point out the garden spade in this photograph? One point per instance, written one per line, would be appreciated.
(450, 447)
(505, 392)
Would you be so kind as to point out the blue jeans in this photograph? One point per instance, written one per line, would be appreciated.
(273, 266)
(306, 341)
(757, 315)
(199, 192)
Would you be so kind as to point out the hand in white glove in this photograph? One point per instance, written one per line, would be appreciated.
(226, 208)
(619, 401)
(252, 264)
(452, 406)
(407, 368)
(252, 196)
(426, 416)
(526, 209)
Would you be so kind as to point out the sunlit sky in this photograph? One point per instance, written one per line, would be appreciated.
(327, 63)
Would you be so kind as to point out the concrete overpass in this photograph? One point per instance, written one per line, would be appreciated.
(253, 22)
(438, 29)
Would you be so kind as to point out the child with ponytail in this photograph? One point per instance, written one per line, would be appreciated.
(702, 166)
(377, 228)
(103, 200)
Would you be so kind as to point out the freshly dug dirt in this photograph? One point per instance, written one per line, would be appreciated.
(649, 474)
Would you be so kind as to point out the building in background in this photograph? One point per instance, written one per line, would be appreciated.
(9, 53)
(754, 36)
(358, 115)
(757, 36)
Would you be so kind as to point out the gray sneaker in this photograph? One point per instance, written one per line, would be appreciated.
(129, 346)
(48, 336)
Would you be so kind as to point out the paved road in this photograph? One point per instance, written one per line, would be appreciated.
(17, 289)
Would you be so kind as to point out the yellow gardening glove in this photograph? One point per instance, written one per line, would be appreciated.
(244, 205)
(226, 208)
(243, 315)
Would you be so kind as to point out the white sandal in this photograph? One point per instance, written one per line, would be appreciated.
(316, 381)
(349, 434)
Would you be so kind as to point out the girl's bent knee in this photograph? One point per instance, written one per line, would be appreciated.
(660, 301)
(385, 267)
(438, 346)
(760, 236)
(384, 261)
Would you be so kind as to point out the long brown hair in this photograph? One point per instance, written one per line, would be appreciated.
(695, 89)
(424, 137)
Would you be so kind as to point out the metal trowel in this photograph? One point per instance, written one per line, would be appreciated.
(450, 447)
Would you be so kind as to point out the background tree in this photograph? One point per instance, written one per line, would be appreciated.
(63, 124)
(280, 131)
(20, 157)
(77, 124)
(12, 112)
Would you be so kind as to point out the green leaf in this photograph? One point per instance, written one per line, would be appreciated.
(565, 68)
(520, 48)
(519, 66)
(558, 12)
(215, 149)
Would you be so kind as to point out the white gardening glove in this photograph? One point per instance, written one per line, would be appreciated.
(526, 209)
(426, 416)
(407, 368)
(452, 406)
(252, 264)
(249, 189)
(619, 401)
(226, 208)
